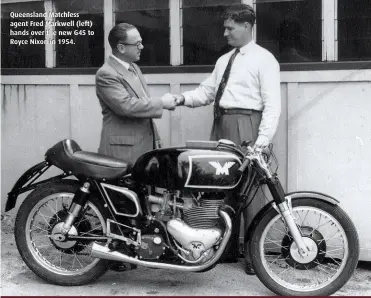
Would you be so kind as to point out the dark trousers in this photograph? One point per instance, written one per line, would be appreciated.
(238, 128)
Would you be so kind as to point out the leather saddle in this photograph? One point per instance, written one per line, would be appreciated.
(68, 156)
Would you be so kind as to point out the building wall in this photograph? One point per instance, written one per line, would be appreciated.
(322, 142)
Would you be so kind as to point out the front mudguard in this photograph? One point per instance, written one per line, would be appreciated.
(293, 196)
(27, 182)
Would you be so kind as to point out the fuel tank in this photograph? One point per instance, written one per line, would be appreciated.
(193, 168)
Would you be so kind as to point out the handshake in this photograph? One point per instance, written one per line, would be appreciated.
(170, 101)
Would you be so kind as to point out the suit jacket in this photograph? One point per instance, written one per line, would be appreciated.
(128, 130)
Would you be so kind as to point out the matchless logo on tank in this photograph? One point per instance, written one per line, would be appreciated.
(220, 170)
(213, 171)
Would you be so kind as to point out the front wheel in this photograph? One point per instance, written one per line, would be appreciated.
(38, 222)
(334, 249)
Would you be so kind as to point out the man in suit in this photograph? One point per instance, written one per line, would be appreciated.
(128, 130)
(245, 89)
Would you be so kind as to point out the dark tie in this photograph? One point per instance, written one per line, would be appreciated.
(132, 70)
(223, 84)
(136, 78)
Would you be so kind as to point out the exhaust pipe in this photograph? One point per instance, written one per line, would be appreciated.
(103, 252)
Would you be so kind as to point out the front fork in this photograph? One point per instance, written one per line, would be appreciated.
(78, 203)
(284, 207)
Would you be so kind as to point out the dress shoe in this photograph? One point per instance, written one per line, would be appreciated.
(230, 259)
(249, 270)
(121, 266)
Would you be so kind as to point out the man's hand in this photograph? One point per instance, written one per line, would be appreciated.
(169, 102)
(179, 99)
(261, 142)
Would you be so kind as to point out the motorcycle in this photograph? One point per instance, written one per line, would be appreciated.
(170, 210)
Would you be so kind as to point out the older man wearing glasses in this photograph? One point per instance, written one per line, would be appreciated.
(128, 130)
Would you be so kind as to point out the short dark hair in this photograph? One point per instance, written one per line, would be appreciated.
(240, 13)
(119, 33)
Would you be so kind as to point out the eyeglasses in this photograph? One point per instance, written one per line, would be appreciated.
(137, 44)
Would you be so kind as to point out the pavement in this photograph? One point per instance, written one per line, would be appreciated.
(223, 280)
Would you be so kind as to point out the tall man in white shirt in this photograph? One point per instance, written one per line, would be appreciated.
(245, 89)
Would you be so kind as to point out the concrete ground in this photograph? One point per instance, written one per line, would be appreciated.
(224, 279)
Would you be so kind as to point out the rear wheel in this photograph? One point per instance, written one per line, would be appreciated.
(333, 256)
(37, 228)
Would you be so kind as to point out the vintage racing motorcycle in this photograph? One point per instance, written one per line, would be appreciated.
(169, 211)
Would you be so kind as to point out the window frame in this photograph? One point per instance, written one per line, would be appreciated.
(329, 44)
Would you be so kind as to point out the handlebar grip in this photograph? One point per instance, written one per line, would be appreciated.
(244, 165)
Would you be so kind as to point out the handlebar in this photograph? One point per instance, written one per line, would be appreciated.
(256, 155)
(244, 165)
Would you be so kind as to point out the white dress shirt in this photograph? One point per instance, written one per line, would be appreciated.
(254, 83)
(122, 62)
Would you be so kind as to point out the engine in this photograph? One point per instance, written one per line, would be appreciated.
(194, 242)
(193, 224)
(205, 215)
(151, 247)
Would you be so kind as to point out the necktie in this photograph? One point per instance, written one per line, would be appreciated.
(223, 84)
(132, 70)
(136, 78)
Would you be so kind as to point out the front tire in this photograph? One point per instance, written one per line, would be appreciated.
(334, 243)
(66, 263)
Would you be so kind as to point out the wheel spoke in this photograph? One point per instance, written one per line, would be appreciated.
(275, 243)
(37, 227)
(288, 268)
(82, 220)
(73, 261)
(327, 251)
(89, 232)
(323, 267)
(285, 233)
(337, 263)
(44, 218)
(329, 221)
(331, 237)
(56, 204)
(82, 266)
(44, 245)
(54, 211)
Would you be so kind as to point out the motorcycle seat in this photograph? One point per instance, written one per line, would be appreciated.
(68, 156)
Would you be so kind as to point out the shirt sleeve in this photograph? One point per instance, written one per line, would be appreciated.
(204, 94)
(270, 88)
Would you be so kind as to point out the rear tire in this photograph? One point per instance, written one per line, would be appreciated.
(46, 260)
(334, 255)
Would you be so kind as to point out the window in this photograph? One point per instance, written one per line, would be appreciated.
(354, 30)
(87, 50)
(289, 29)
(18, 48)
(203, 40)
(181, 32)
(151, 17)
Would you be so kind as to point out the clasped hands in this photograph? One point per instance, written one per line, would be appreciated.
(171, 101)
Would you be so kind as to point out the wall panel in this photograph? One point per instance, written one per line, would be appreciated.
(33, 118)
(329, 137)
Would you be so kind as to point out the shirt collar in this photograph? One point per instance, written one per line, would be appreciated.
(246, 48)
(125, 64)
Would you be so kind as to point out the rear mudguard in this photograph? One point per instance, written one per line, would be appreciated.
(27, 182)
(293, 196)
